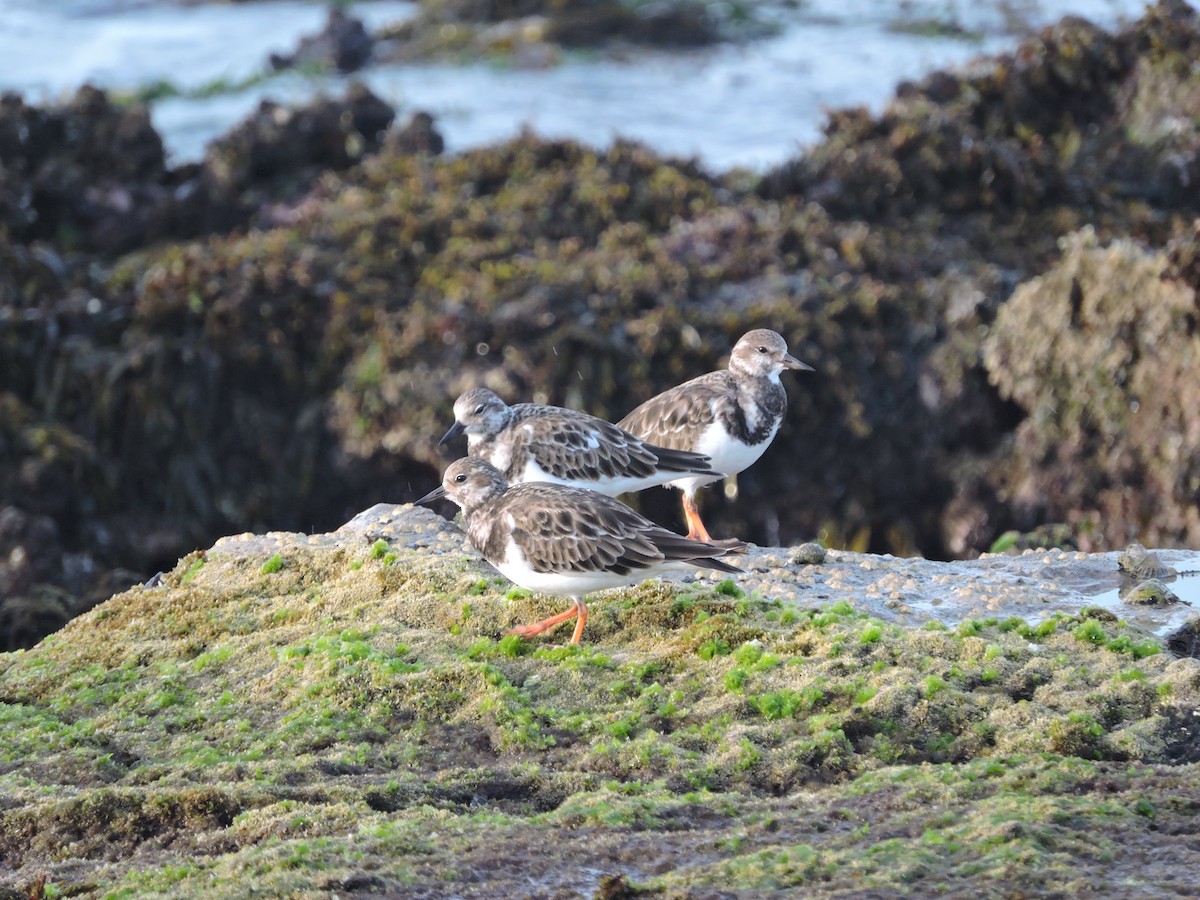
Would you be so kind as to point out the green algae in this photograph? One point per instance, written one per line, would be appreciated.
(314, 726)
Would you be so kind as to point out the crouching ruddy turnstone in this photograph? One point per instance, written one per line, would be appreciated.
(730, 415)
(533, 442)
(568, 541)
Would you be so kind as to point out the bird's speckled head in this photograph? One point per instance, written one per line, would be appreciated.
(763, 353)
(480, 413)
(469, 482)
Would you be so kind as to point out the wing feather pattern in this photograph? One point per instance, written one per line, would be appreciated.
(568, 530)
(578, 447)
(675, 417)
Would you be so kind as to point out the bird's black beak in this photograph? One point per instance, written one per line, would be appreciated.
(792, 363)
(435, 494)
(455, 430)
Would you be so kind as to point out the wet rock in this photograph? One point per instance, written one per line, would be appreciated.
(664, 24)
(343, 45)
(1150, 592)
(1185, 641)
(697, 731)
(1137, 562)
(1070, 80)
(91, 176)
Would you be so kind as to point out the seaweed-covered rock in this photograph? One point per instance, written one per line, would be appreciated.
(530, 30)
(340, 713)
(1036, 129)
(91, 176)
(278, 151)
(86, 174)
(1103, 354)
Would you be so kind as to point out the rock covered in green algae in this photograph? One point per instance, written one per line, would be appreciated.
(350, 717)
(1151, 592)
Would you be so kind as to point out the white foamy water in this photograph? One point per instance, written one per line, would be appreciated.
(754, 104)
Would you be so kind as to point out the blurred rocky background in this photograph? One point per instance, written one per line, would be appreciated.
(995, 279)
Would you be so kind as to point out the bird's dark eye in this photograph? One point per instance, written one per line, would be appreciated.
(479, 410)
(460, 478)
(762, 349)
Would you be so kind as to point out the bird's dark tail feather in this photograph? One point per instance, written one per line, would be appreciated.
(717, 565)
(731, 545)
(682, 461)
(702, 554)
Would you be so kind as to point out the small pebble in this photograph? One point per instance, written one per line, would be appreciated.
(809, 554)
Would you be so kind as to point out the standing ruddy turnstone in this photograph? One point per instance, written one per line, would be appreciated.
(730, 415)
(568, 541)
(532, 442)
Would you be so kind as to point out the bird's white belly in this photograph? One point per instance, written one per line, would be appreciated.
(570, 584)
(729, 455)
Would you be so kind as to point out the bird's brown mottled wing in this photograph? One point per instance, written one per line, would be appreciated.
(577, 447)
(676, 418)
(569, 530)
(561, 529)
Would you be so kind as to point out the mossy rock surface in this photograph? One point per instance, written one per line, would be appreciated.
(349, 717)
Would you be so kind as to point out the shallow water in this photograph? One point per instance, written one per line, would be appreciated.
(751, 105)
(1033, 587)
(1160, 621)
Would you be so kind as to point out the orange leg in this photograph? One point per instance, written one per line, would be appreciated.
(581, 621)
(579, 609)
(696, 529)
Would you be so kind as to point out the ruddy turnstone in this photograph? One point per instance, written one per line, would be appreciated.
(567, 541)
(730, 415)
(533, 442)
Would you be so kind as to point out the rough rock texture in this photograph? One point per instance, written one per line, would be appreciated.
(298, 367)
(1103, 354)
(339, 713)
